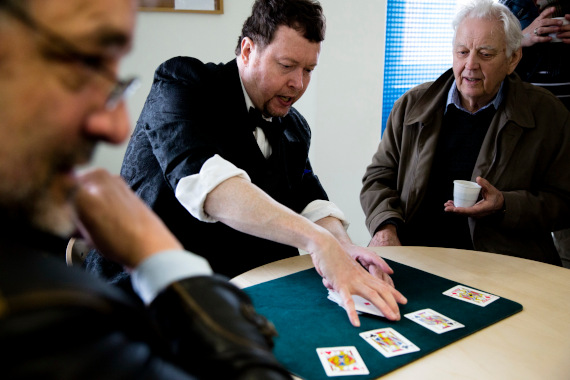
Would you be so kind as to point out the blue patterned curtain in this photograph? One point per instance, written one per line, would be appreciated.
(418, 45)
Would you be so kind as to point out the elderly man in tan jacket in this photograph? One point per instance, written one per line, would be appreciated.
(476, 122)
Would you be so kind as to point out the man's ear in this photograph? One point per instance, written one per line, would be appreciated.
(514, 60)
(247, 47)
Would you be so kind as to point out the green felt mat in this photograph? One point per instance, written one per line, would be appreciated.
(306, 319)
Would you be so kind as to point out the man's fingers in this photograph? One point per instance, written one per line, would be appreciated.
(368, 259)
(379, 273)
(385, 298)
(387, 305)
(485, 185)
(327, 284)
(385, 267)
(348, 303)
(400, 298)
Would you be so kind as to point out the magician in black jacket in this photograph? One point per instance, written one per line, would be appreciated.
(221, 155)
(193, 112)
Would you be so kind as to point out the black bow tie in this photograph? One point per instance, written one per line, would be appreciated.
(272, 129)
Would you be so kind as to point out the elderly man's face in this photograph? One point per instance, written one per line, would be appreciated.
(479, 61)
(52, 105)
(277, 76)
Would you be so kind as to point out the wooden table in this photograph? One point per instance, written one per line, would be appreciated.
(532, 344)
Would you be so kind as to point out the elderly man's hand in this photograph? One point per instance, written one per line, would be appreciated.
(492, 202)
(348, 277)
(385, 236)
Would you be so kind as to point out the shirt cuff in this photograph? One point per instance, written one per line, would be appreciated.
(192, 190)
(162, 269)
(318, 209)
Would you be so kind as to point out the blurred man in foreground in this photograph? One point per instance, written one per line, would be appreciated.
(59, 97)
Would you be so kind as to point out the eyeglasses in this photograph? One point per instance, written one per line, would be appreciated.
(121, 89)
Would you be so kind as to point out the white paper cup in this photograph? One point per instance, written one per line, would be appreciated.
(553, 35)
(465, 193)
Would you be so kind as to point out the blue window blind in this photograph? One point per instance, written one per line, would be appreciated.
(418, 45)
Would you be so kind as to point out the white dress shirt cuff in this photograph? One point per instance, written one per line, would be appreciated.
(162, 269)
(192, 191)
(319, 209)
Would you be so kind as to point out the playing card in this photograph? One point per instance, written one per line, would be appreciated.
(389, 342)
(360, 304)
(434, 321)
(342, 361)
(333, 296)
(470, 295)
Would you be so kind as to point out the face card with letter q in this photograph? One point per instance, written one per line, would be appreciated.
(389, 342)
(470, 295)
(433, 321)
(342, 361)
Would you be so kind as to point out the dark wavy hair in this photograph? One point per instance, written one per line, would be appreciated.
(305, 16)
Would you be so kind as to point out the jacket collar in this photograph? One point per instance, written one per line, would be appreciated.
(435, 98)
(516, 97)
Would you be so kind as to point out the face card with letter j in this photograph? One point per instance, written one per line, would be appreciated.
(342, 361)
(470, 295)
(434, 321)
(389, 342)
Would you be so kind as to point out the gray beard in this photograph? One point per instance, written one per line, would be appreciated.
(57, 219)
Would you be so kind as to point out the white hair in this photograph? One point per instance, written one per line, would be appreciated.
(491, 10)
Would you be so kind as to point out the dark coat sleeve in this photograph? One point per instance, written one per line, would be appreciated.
(60, 323)
(173, 121)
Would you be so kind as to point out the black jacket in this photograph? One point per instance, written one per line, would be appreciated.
(194, 111)
(61, 323)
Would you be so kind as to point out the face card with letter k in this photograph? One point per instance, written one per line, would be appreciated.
(434, 321)
(342, 361)
(476, 297)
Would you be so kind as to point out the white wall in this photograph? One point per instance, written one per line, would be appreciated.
(342, 104)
